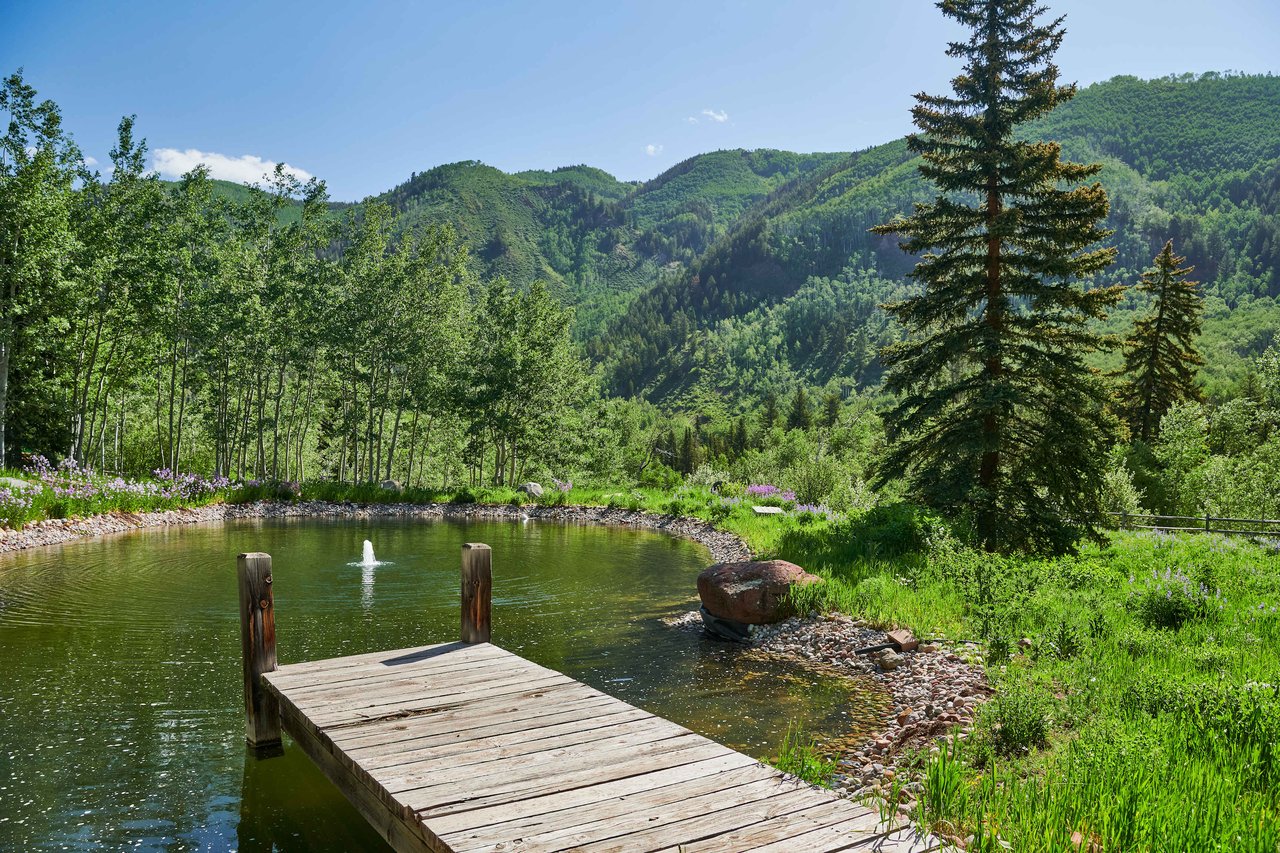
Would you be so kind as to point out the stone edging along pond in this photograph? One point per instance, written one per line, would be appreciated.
(723, 546)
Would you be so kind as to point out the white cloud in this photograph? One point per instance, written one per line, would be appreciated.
(718, 116)
(91, 161)
(245, 169)
(692, 119)
(653, 150)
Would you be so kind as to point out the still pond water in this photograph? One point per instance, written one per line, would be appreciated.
(120, 690)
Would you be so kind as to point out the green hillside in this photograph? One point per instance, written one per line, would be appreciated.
(289, 213)
(596, 240)
(695, 202)
(563, 227)
(1196, 159)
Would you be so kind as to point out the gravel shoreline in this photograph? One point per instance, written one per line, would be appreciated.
(936, 692)
(723, 546)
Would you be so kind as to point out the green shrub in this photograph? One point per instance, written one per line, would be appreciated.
(1168, 599)
(892, 530)
(463, 496)
(1120, 494)
(678, 506)
(718, 511)
(1017, 720)
(732, 490)
(659, 476)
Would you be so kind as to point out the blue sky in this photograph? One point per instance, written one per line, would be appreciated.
(362, 94)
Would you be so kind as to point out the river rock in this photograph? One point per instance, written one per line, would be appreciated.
(751, 592)
(531, 489)
(889, 660)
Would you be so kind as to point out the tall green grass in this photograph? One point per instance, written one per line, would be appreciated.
(799, 755)
(1120, 725)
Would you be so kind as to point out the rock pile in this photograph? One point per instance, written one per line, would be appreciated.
(936, 689)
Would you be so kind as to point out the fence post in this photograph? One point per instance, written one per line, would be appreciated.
(477, 590)
(258, 649)
(1207, 519)
(1124, 520)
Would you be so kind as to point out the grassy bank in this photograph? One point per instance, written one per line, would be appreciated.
(1138, 687)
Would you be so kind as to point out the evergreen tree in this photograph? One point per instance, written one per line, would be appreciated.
(1000, 418)
(690, 452)
(1160, 358)
(769, 411)
(800, 416)
(739, 437)
(831, 405)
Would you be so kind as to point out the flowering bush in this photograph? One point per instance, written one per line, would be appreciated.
(15, 505)
(770, 494)
(68, 489)
(812, 512)
(1168, 599)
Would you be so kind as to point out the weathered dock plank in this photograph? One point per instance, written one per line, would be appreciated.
(465, 747)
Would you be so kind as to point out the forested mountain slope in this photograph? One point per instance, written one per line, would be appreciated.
(596, 240)
(1196, 159)
(695, 202)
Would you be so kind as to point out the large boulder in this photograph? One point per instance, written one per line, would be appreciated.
(531, 489)
(754, 593)
(14, 485)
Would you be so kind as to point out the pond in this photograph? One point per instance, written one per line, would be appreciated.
(120, 688)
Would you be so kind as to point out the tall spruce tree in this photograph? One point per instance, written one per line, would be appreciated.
(769, 411)
(1160, 357)
(1000, 420)
(800, 415)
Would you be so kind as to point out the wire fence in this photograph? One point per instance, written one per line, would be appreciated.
(1198, 524)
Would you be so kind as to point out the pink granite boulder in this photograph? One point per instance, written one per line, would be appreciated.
(754, 593)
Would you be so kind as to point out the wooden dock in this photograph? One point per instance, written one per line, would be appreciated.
(467, 747)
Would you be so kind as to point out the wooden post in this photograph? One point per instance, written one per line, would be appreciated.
(477, 588)
(258, 648)
(1207, 518)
